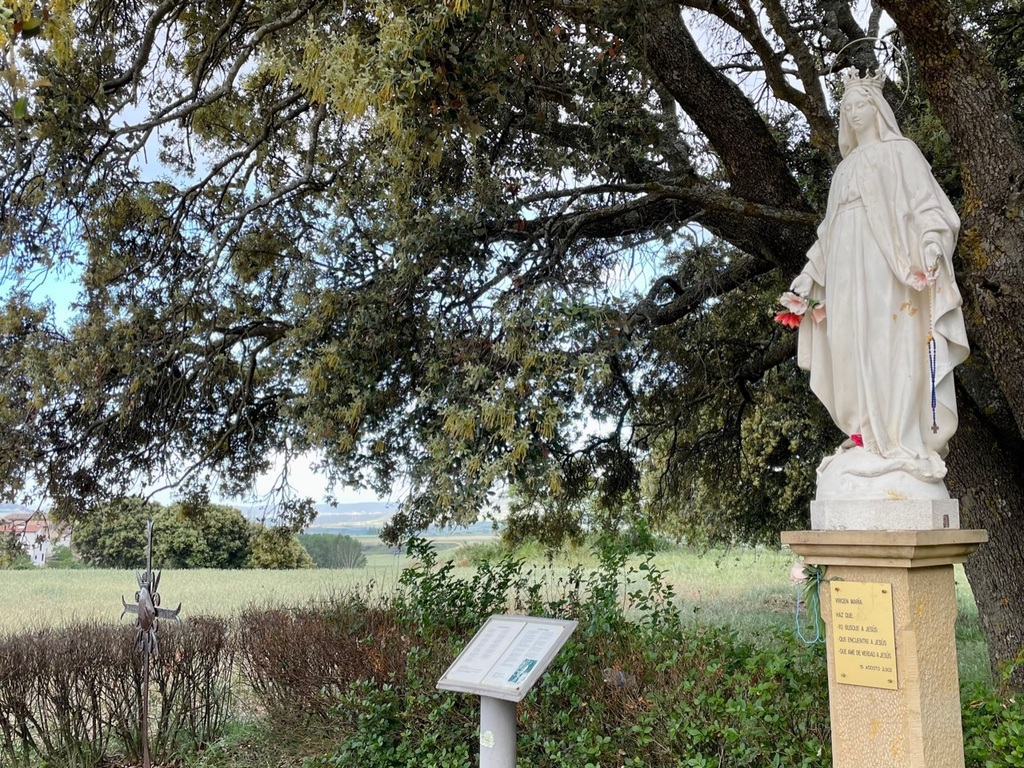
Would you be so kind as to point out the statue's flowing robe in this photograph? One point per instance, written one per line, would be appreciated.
(869, 358)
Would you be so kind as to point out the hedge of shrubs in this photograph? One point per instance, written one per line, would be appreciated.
(70, 697)
(634, 686)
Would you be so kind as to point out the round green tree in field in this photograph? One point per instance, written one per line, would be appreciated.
(333, 550)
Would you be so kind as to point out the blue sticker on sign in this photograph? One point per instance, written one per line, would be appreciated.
(522, 670)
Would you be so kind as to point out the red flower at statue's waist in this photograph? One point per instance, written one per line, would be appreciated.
(788, 319)
(857, 440)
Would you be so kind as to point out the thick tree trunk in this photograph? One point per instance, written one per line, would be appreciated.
(985, 474)
(986, 461)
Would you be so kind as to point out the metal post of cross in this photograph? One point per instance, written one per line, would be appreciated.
(148, 613)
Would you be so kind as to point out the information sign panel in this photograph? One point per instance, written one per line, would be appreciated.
(864, 642)
(507, 656)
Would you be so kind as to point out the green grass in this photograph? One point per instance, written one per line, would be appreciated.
(32, 599)
(37, 598)
(971, 646)
(747, 589)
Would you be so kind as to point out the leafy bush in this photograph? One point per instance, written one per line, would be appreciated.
(994, 723)
(993, 730)
(277, 547)
(64, 558)
(12, 552)
(390, 727)
(475, 552)
(639, 539)
(433, 599)
(634, 686)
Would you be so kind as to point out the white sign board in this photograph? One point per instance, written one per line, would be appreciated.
(507, 656)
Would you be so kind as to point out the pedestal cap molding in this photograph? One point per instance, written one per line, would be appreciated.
(885, 549)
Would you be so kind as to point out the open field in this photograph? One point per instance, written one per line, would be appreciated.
(748, 589)
(37, 598)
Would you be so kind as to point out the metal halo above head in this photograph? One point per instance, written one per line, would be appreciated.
(893, 53)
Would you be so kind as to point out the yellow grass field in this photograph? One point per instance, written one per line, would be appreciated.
(715, 584)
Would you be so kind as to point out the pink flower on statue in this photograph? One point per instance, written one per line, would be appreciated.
(857, 440)
(793, 302)
(918, 280)
(796, 573)
(788, 319)
(818, 313)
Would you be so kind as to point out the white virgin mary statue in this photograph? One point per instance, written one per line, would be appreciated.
(882, 357)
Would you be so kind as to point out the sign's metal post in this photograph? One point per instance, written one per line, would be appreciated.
(497, 733)
(502, 662)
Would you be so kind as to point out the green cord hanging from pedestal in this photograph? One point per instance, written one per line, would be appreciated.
(811, 599)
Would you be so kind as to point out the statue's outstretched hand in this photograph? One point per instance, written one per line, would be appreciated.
(802, 285)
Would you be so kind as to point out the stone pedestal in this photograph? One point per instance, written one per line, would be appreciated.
(885, 515)
(917, 724)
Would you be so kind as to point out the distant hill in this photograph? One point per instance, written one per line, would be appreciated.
(355, 518)
(362, 518)
(359, 514)
(10, 509)
(367, 518)
(355, 509)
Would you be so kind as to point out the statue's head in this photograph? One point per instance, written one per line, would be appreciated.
(865, 89)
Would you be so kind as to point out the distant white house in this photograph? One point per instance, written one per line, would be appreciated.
(36, 534)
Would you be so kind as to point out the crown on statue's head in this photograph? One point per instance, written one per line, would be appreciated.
(853, 79)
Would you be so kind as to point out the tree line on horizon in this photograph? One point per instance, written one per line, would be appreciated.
(210, 536)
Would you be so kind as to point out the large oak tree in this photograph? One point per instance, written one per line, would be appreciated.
(476, 246)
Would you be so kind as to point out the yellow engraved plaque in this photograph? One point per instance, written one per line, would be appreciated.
(863, 640)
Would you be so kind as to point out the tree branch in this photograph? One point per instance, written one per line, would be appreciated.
(648, 312)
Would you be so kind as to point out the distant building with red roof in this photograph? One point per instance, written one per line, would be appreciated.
(36, 533)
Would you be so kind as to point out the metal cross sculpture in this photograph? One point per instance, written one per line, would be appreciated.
(147, 612)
